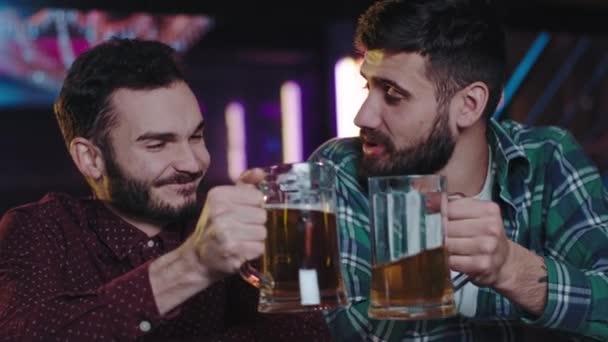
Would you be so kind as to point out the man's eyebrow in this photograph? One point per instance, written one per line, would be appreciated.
(156, 136)
(163, 136)
(393, 84)
(200, 127)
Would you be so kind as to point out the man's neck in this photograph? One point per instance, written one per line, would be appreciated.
(467, 169)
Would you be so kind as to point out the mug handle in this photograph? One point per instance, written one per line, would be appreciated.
(254, 277)
(460, 279)
(248, 272)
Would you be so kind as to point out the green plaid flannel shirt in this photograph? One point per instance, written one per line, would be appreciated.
(553, 203)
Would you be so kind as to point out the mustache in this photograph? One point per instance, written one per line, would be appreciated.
(371, 136)
(180, 178)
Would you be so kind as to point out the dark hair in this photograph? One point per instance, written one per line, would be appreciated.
(462, 40)
(83, 107)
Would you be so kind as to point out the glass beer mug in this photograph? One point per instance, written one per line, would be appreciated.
(410, 274)
(300, 267)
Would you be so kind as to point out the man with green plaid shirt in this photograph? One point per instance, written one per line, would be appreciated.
(531, 232)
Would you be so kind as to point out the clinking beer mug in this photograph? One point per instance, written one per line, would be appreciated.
(300, 267)
(410, 274)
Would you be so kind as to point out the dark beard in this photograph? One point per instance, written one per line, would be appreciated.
(132, 196)
(426, 157)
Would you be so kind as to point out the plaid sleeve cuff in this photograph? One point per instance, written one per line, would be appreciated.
(568, 298)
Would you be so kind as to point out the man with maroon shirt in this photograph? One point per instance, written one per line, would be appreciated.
(126, 265)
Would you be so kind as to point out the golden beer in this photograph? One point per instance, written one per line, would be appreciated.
(419, 281)
(300, 239)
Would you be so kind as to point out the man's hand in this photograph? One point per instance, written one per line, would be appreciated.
(479, 248)
(476, 241)
(231, 229)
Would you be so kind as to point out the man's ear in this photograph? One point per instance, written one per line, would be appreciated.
(88, 158)
(473, 100)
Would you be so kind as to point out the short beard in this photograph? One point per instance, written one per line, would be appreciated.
(427, 157)
(132, 197)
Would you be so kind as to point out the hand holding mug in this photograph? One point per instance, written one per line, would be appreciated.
(231, 229)
(300, 266)
(476, 240)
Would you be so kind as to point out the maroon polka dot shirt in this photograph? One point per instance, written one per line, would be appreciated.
(70, 270)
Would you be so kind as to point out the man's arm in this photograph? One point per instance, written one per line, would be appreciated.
(526, 283)
(230, 231)
(34, 305)
(565, 289)
(576, 244)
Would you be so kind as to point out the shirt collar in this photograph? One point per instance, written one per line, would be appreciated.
(509, 158)
(120, 236)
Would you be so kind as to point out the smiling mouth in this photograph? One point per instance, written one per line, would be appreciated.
(184, 189)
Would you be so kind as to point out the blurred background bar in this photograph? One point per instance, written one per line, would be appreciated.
(518, 76)
(350, 90)
(236, 140)
(291, 122)
(274, 79)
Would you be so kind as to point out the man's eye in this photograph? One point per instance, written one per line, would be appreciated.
(196, 137)
(393, 93)
(156, 146)
(392, 96)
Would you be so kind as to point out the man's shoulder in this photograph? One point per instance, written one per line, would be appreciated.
(45, 212)
(337, 149)
(531, 136)
(542, 146)
(50, 201)
(344, 153)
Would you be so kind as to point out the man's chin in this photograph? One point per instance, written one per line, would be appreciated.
(185, 212)
(375, 166)
(176, 207)
(178, 190)
(175, 195)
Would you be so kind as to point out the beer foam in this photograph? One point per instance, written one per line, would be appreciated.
(305, 207)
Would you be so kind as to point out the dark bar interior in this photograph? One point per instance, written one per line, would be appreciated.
(435, 217)
(245, 51)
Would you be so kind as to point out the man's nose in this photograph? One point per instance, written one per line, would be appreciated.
(186, 159)
(369, 115)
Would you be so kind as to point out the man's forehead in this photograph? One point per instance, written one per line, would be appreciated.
(393, 65)
(374, 57)
(163, 109)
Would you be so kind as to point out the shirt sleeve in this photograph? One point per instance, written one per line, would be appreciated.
(351, 323)
(35, 307)
(576, 247)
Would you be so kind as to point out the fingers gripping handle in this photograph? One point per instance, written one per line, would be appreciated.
(254, 277)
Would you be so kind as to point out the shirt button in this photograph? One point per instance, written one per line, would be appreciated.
(145, 326)
(150, 243)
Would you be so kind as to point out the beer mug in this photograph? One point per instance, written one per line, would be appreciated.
(410, 274)
(300, 267)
